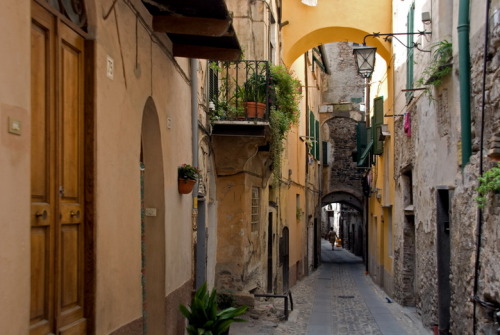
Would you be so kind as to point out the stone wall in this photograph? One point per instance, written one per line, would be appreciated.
(414, 246)
(343, 172)
(433, 155)
(343, 85)
(464, 208)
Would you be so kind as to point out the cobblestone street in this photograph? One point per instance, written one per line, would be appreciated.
(338, 298)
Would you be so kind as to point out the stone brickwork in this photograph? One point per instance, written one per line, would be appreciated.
(343, 172)
(343, 86)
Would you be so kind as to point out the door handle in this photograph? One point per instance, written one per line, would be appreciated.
(74, 214)
(42, 214)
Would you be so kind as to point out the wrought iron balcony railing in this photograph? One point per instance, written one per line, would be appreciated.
(239, 91)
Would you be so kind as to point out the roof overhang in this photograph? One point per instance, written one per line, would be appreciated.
(197, 28)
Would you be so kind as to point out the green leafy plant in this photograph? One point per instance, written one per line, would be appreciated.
(285, 97)
(186, 171)
(204, 316)
(286, 92)
(255, 88)
(440, 65)
(489, 182)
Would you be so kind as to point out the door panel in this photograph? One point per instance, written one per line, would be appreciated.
(71, 177)
(57, 224)
(42, 173)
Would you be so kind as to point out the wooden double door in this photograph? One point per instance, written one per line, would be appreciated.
(58, 274)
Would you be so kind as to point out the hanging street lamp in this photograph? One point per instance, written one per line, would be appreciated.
(365, 60)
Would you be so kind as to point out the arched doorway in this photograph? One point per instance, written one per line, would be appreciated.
(152, 222)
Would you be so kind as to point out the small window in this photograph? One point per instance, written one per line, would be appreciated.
(255, 208)
(213, 80)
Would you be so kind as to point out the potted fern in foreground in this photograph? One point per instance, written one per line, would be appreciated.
(204, 316)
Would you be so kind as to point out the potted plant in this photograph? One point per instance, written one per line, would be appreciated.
(205, 318)
(254, 92)
(187, 177)
(439, 67)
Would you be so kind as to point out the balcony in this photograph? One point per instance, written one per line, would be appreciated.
(239, 98)
(197, 29)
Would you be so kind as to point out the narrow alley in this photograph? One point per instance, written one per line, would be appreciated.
(167, 167)
(338, 298)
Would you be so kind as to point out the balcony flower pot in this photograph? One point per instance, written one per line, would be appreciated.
(254, 92)
(185, 186)
(255, 109)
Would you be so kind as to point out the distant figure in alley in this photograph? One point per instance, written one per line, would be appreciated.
(332, 237)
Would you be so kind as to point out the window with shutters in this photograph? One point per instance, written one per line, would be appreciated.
(311, 137)
(213, 86)
(364, 143)
(316, 135)
(378, 120)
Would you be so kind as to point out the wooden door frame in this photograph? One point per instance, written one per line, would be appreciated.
(89, 186)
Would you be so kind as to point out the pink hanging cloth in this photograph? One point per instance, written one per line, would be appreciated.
(407, 124)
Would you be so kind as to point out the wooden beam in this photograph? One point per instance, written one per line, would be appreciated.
(204, 52)
(185, 25)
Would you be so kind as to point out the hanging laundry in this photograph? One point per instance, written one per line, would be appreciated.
(407, 124)
(310, 2)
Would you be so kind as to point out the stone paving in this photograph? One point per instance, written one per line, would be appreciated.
(338, 298)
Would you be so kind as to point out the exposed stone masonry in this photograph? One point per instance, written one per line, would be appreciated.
(343, 172)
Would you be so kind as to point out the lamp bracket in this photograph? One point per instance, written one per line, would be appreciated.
(387, 35)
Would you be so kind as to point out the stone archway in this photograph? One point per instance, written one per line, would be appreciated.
(344, 197)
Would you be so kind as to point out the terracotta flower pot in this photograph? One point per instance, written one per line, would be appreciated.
(255, 109)
(185, 186)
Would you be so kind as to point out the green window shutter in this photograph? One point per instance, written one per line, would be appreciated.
(316, 133)
(311, 132)
(378, 120)
(360, 137)
(409, 54)
(378, 106)
(361, 144)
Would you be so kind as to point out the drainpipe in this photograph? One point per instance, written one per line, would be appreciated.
(200, 219)
(464, 77)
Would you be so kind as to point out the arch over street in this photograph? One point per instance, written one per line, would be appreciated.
(344, 197)
(305, 27)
